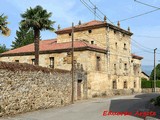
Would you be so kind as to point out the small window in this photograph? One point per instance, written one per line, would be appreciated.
(125, 84)
(114, 84)
(114, 32)
(114, 66)
(69, 34)
(123, 35)
(92, 42)
(89, 31)
(125, 46)
(98, 63)
(17, 61)
(33, 61)
(135, 84)
(125, 66)
(116, 45)
(51, 62)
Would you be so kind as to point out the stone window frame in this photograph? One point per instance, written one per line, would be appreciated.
(90, 31)
(98, 63)
(116, 45)
(92, 42)
(134, 84)
(33, 61)
(125, 46)
(51, 62)
(125, 86)
(17, 61)
(114, 84)
(70, 34)
(125, 66)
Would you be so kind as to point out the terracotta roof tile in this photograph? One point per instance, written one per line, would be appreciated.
(136, 56)
(51, 45)
(91, 25)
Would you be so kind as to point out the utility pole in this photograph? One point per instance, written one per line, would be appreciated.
(95, 8)
(155, 69)
(72, 99)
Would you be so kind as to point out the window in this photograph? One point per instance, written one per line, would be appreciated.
(98, 63)
(33, 61)
(51, 62)
(114, 32)
(123, 35)
(114, 84)
(69, 34)
(134, 84)
(114, 66)
(116, 45)
(89, 31)
(92, 42)
(125, 84)
(17, 61)
(125, 66)
(125, 46)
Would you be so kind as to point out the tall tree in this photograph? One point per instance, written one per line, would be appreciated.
(37, 19)
(4, 30)
(3, 48)
(24, 37)
(157, 73)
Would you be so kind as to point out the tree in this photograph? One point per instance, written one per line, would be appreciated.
(4, 30)
(3, 48)
(24, 37)
(37, 19)
(157, 73)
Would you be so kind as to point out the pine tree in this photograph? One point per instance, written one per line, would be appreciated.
(3, 48)
(24, 37)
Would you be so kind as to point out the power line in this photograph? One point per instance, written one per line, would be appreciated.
(146, 36)
(138, 15)
(91, 9)
(100, 11)
(141, 45)
(146, 4)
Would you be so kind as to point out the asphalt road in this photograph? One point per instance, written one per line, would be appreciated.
(125, 107)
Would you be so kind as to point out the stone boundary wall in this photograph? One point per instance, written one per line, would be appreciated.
(149, 90)
(23, 90)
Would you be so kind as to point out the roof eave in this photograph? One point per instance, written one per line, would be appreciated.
(55, 51)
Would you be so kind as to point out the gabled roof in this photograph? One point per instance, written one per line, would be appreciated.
(145, 74)
(92, 25)
(136, 57)
(48, 46)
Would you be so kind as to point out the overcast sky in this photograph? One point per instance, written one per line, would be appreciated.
(146, 28)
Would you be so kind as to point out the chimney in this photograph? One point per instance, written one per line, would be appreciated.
(79, 22)
(105, 19)
(128, 29)
(59, 27)
(118, 24)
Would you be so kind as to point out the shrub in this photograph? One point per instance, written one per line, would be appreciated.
(149, 84)
(157, 101)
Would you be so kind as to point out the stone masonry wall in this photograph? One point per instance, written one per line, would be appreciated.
(22, 91)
